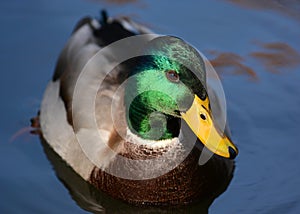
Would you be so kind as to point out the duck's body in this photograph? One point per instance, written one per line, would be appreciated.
(126, 165)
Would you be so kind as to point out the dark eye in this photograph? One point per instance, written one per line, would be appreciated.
(203, 116)
(172, 76)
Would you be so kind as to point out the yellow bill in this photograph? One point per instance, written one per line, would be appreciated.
(199, 119)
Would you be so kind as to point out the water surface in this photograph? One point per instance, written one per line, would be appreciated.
(254, 46)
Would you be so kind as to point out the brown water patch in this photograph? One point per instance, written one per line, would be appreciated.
(277, 56)
(121, 2)
(227, 62)
(118, 1)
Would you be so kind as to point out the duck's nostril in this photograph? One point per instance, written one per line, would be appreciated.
(232, 152)
(203, 117)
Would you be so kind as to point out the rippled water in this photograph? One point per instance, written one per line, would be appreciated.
(254, 46)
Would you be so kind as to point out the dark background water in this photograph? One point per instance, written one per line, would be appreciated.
(254, 46)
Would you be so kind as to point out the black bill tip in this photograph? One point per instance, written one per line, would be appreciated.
(232, 152)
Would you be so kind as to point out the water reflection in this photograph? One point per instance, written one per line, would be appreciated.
(275, 58)
(231, 63)
(289, 8)
(116, 2)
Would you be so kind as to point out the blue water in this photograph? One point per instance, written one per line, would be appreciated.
(262, 91)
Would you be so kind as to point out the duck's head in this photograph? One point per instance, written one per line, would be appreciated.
(166, 85)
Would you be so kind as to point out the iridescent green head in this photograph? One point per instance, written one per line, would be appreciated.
(163, 87)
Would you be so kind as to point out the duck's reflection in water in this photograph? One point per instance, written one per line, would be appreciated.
(90, 199)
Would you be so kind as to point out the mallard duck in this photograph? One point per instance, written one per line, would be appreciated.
(150, 119)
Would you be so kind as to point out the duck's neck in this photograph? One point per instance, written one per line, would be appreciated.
(148, 123)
